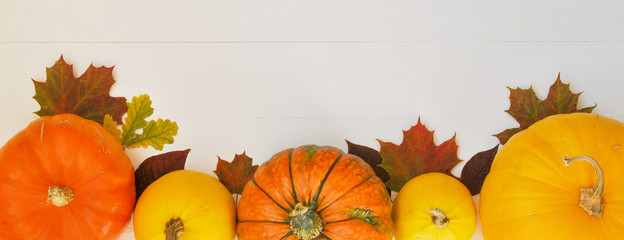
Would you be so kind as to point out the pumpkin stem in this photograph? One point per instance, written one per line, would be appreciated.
(305, 223)
(439, 218)
(591, 198)
(174, 228)
(60, 196)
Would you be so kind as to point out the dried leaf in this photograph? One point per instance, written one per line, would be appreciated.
(416, 155)
(111, 127)
(372, 158)
(86, 96)
(477, 168)
(234, 175)
(155, 167)
(527, 108)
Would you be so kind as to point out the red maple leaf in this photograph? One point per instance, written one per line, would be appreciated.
(236, 174)
(527, 108)
(416, 155)
(86, 96)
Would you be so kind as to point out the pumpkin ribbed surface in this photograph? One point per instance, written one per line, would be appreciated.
(64, 177)
(314, 192)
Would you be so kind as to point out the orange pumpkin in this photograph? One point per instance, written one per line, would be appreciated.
(64, 177)
(532, 193)
(314, 192)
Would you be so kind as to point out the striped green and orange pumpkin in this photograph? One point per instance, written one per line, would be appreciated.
(314, 192)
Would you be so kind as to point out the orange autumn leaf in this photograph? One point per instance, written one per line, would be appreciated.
(417, 154)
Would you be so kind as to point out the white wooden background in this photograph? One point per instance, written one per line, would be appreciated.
(262, 76)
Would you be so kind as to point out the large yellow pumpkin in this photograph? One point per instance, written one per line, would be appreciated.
(531, 192)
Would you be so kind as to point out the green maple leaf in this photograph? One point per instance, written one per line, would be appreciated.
(417, 154)
(235, 175)
(86, 96)
(527, 108)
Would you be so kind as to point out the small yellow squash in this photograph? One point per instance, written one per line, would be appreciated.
(185, 205)
(434, 206)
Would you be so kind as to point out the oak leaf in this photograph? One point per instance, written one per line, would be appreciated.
(154, 133)
(417, 154)
(86, 96)
(111, 127)
(527, 108)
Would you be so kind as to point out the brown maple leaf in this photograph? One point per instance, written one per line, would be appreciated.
(416, 155)
(236, 174)
(527, 108)
(86, 96)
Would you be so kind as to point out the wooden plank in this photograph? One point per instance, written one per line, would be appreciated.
(311, 21)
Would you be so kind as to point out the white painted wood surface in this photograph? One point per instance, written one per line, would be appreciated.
(262, 76)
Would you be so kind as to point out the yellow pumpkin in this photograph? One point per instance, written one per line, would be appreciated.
(185, 205)
(530, 193)
(434, 206)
